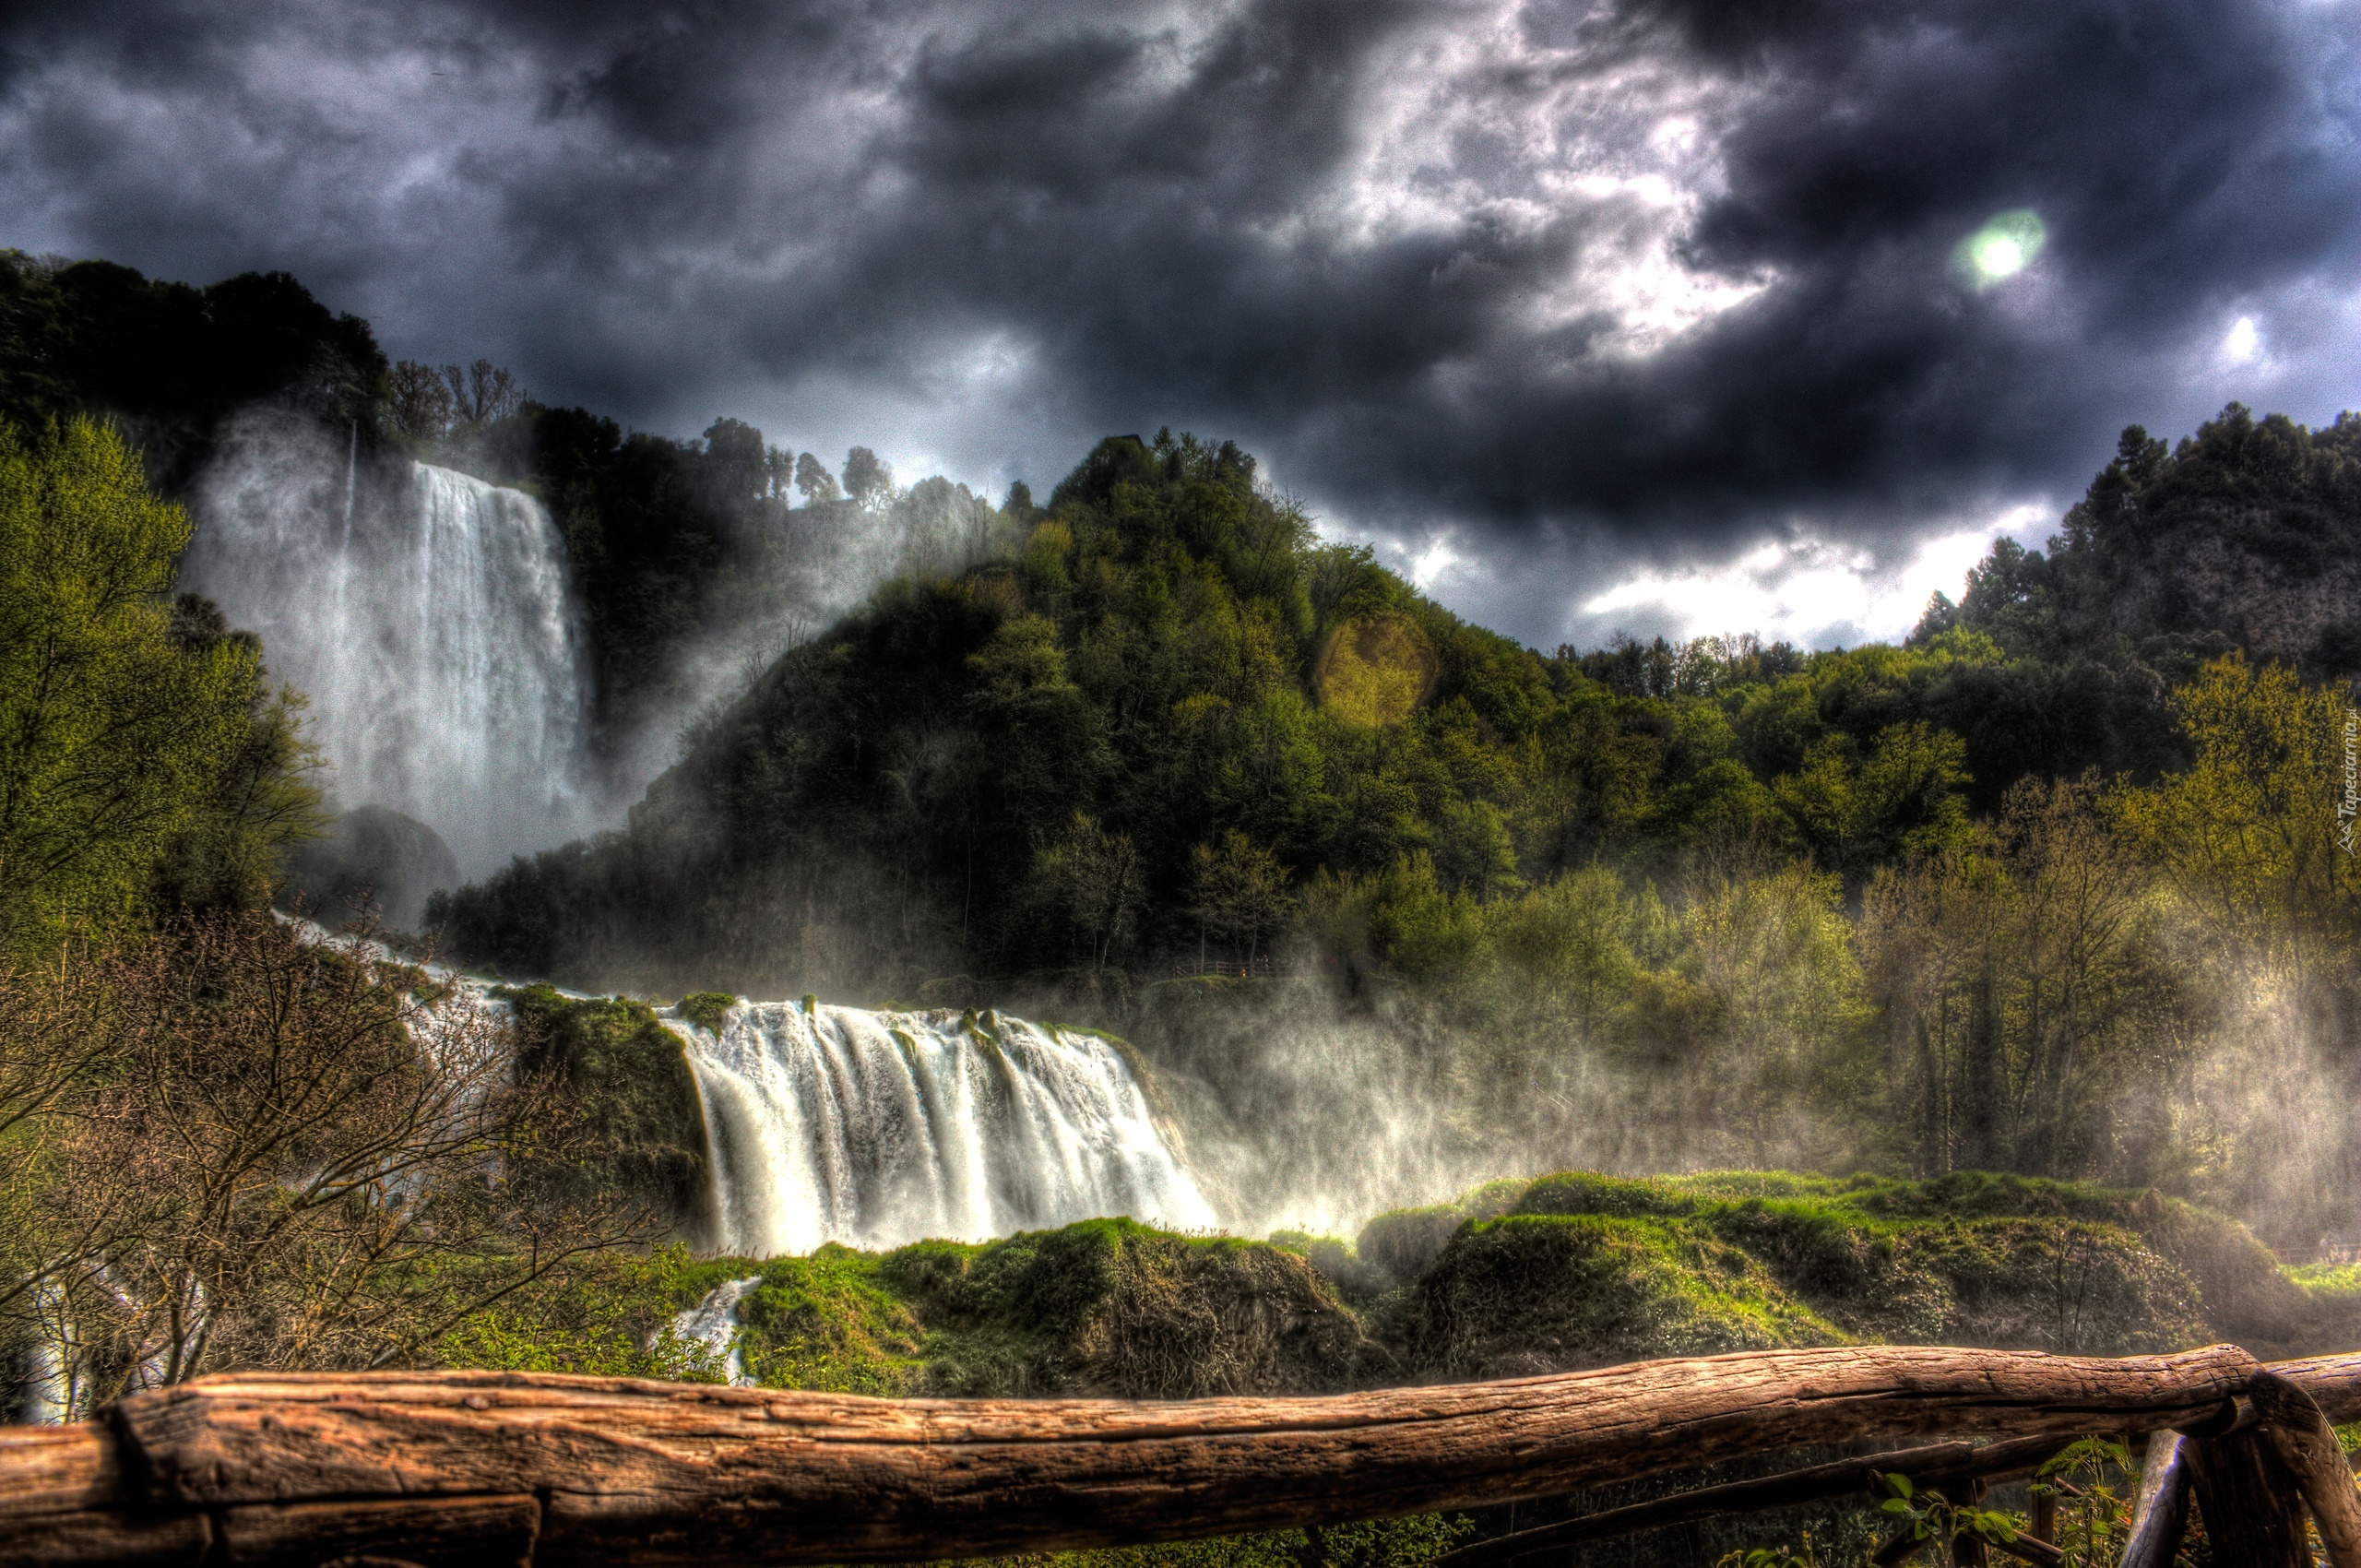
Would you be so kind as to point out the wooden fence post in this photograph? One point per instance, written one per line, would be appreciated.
(2160, 1515)
(2307, 1445)
(2249, 1500)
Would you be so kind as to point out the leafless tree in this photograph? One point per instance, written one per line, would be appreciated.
(421, 401)
(286, 1154)
(483, 393)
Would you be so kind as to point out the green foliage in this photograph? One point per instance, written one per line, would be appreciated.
(2084, 1479)
(2088, 1479)
(1238, 892)
(707, 1009)
(1059, 745)
(1113, 1306)
(1756, 1257)
(623, 1073)
(2336, 1281)
(1780, 1556)
(830, 1322)
(1930, 1517)
(1534, 1293)
(1104, 1306)
(614, 1320)
(140, 756)
(2272, 501)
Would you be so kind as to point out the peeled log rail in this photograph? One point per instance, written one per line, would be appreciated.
(479, 1466)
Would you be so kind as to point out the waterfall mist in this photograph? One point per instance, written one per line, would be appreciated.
(877, 1129)
(430, 618)
(1303, 1112)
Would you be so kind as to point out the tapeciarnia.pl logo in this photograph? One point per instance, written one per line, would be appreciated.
(2348, 808)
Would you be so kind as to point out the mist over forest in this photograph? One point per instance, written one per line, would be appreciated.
(807, 928)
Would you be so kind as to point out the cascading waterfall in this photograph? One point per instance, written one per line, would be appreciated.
(876, 1128)
(713, 1323)
(439, 640)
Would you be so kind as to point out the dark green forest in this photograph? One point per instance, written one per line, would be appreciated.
(1167, 656)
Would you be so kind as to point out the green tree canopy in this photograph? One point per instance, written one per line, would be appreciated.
(117, 728)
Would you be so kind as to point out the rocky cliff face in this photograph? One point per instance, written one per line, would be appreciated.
(2212, 579)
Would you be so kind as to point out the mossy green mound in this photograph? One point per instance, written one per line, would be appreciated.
(830, 1322)
(706, 1009)
(1568, 1271)
(1972, 1258)
(1538, 1293)
(1113, 1306)
(1107, 1306)
(623, 1073)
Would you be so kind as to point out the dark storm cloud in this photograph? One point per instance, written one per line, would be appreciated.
(1590, 280)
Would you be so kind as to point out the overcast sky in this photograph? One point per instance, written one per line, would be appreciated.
(1660, 317)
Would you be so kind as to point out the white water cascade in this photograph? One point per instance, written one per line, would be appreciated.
(713, 1323)
(877, 1129)
(437, 637)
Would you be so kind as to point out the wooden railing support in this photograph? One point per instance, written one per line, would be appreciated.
(2159, 1512)
(2305, 1445)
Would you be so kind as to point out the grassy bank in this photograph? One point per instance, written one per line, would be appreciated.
(1514, 1278)
(1568, 1270)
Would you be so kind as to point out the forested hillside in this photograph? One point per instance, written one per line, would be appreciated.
(2005, 895)
(2242, 537)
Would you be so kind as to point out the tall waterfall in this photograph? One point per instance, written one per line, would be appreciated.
(436, 634)
(876, 1129)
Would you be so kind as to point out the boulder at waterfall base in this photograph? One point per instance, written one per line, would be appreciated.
(371, 863)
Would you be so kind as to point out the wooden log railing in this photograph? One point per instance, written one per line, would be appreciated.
(432, 1468)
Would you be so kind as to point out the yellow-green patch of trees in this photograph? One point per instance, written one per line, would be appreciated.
(142, 756)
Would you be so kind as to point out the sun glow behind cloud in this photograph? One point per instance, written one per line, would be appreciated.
(2242, 342)
(2001, 249)
(1590, 176)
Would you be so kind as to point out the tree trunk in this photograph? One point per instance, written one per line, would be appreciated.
(2307, 1445)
